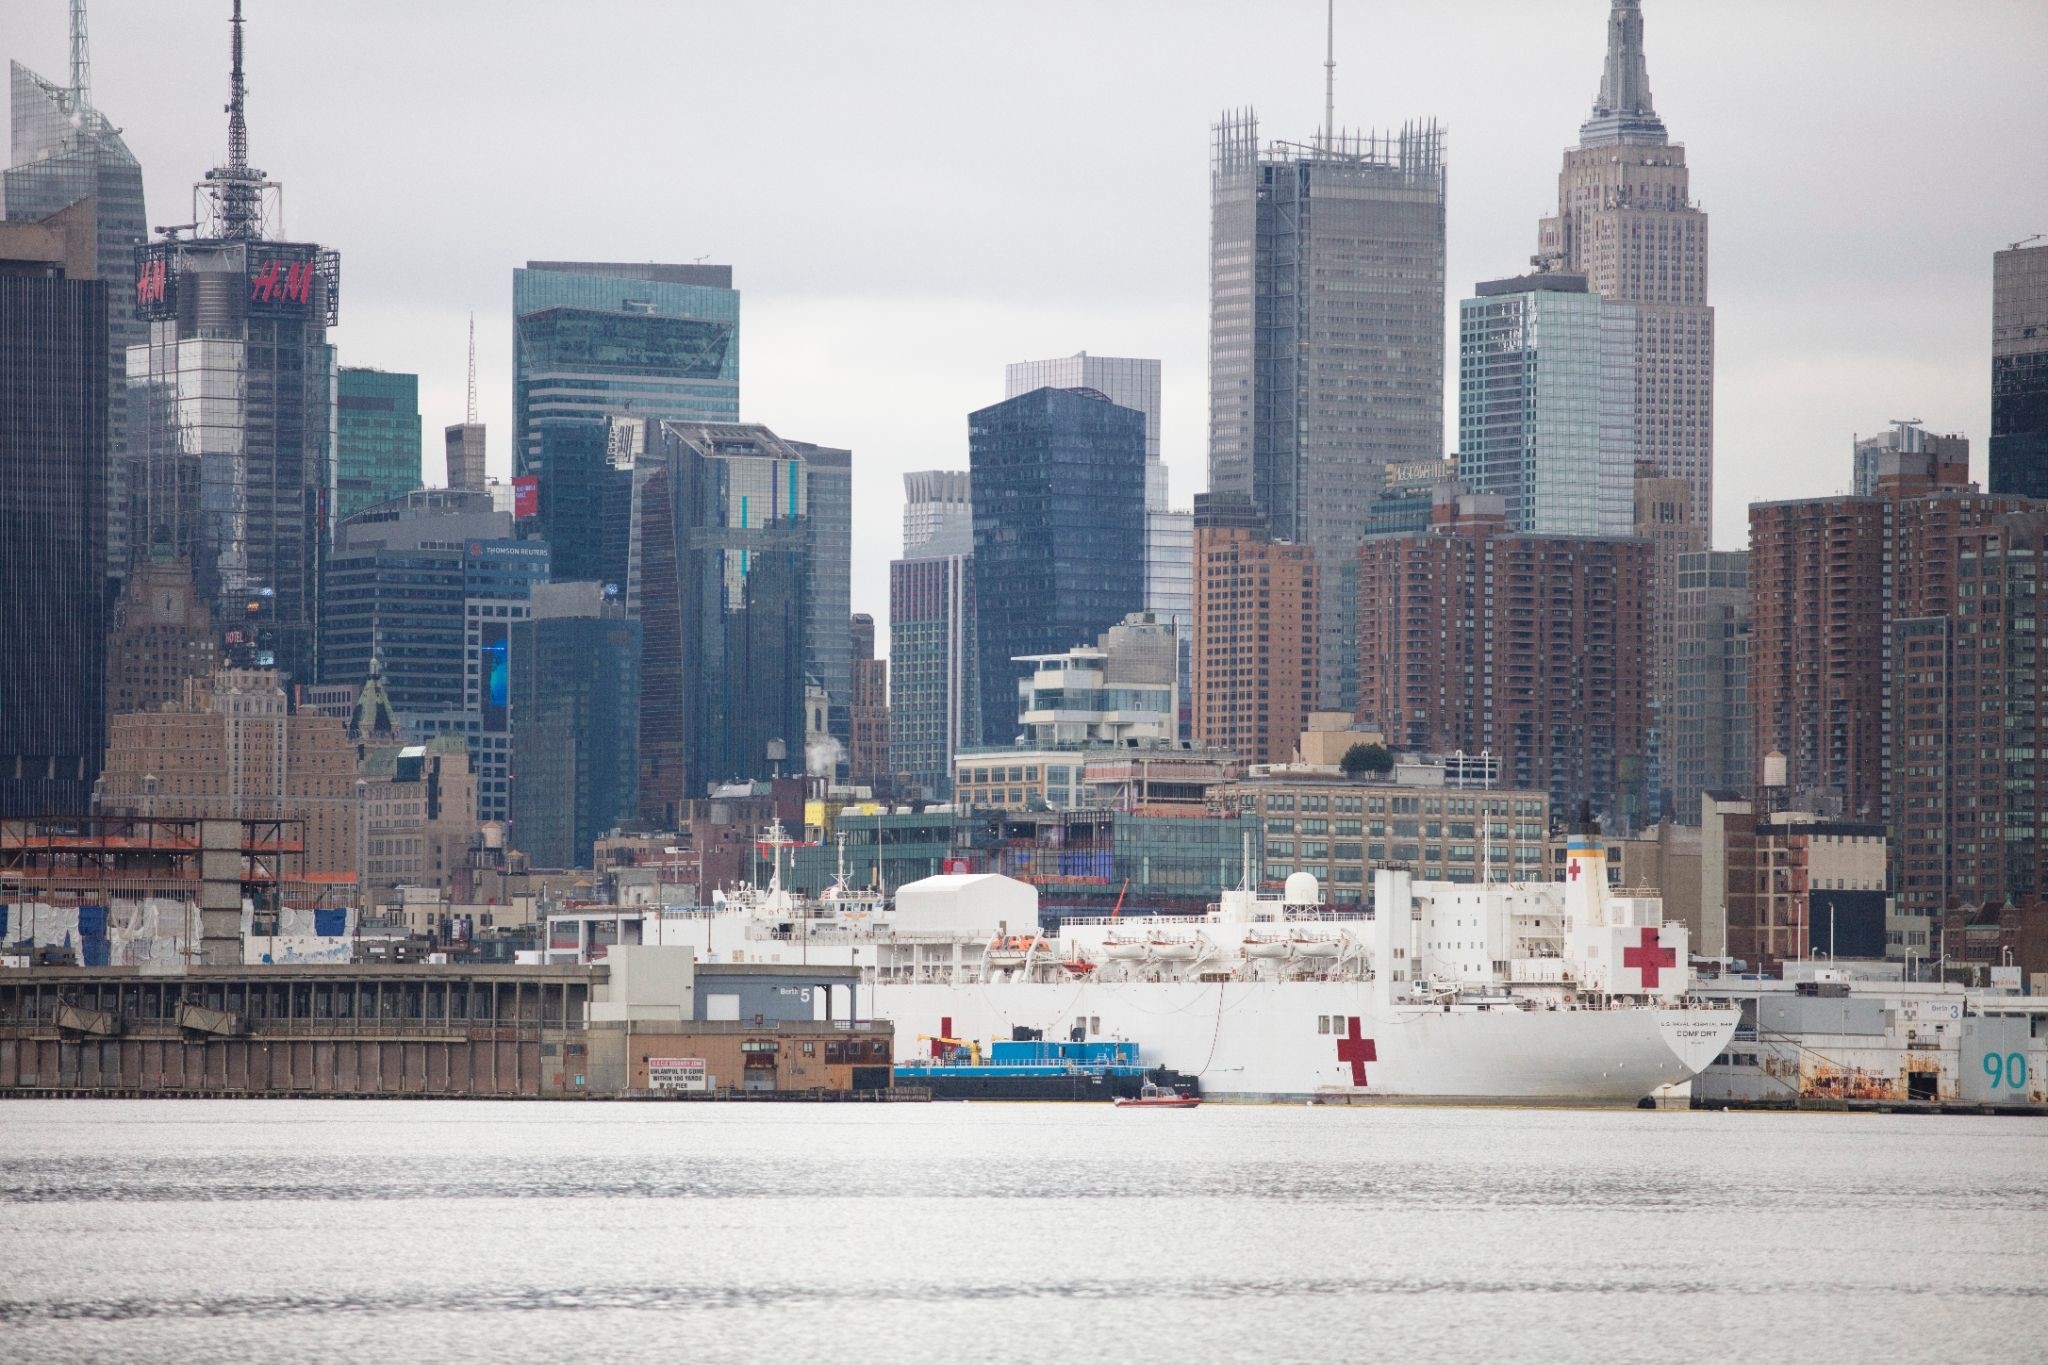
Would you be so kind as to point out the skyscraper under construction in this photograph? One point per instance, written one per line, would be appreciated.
(232, 405)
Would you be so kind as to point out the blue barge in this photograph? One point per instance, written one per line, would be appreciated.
(1035, 1069)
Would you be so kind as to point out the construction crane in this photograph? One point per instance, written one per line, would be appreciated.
(2027, 241)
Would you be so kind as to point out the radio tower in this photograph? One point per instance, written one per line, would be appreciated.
(237, 187)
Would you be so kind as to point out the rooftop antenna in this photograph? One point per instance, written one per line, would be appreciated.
(1330, 77)
(238, 188)
(471, 418)
(81, 62)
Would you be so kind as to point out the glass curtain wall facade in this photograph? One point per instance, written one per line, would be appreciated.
(399, 584)
(575, 690)
(1326, 338)
(829, 614)
(1546, 405)
(725, 598)
(2019, 372)
(1711, 729)
(62, 150)
(934, 701)
(593, 339)
(1058, 479)
(53, 513)
(1126, 381)
(232, 419)
(377, 438)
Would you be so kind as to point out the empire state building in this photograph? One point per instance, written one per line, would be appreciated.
(1626, 221)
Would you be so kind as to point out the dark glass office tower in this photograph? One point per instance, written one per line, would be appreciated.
(400, 583)
(2019, 371)
(724, 603)
(829, 641)
(63, 149)
(53, 510)
(576, 454)
(576, 694)
(377, 438)
(1058, 490)
(231, 409)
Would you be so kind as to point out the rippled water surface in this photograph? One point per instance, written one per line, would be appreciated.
(284, 1230)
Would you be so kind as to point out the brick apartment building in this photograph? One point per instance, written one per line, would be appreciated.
(1254, 660)
(1535, 648)
(1894, 662)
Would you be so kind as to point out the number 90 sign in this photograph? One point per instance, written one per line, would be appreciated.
(2007, 1071)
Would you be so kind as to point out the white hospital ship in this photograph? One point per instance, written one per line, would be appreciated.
(1531, 992)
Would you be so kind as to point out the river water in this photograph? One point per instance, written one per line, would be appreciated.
(296, 1230)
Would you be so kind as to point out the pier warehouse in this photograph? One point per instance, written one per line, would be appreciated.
(648, 1019)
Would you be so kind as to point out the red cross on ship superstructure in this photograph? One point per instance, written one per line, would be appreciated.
(1649, 957)
(1356, 1050)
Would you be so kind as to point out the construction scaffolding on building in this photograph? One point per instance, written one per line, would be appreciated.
(159, 891)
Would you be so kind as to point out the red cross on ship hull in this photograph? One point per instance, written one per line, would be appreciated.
(1357, 1050)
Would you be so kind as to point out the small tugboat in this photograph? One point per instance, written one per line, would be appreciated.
(1152, 1096)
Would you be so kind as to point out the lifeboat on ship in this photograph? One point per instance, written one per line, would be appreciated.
(1123, 947)
(1262, 946)
(1316, 947)
(1169, 949)
(1014, 950)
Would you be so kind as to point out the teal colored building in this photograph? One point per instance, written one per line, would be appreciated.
(377, 438)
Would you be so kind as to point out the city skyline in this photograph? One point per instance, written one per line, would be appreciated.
(1828, 318)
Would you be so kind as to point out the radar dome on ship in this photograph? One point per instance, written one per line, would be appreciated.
(1303, 889)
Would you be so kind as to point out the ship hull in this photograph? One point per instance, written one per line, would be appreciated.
(1330, 1041)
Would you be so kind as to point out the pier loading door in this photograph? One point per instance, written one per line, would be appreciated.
(758, 1057)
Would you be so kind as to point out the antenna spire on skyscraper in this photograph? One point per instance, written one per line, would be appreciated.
(1622, 111)
(81, 61)
(471, 418)
(1330, 76)
(238, 188)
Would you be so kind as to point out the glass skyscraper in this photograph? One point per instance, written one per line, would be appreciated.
(1058, 479)
(377, 438)
(575, 690)
(725, 603)
(828, 631)
(2019, 371)
(934, 705)
(62, 150)
(53, 509)
(426, 590)
(1326, 338)
(592, 339)
(1127, 381)
(1546, 404)
(231, 408)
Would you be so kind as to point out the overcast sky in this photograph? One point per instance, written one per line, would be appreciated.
(912, 194)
